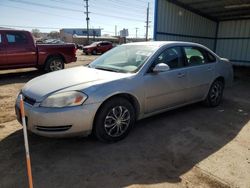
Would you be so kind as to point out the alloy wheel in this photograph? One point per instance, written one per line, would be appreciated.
(117, 121)
(56, 65)
(216, 92)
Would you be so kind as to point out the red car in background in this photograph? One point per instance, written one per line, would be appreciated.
(97, 47)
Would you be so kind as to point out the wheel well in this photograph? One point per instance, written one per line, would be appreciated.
(220, 78)
(53, 56)
(129, 97)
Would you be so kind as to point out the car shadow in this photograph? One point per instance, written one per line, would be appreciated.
(159, 149)
(18, 77)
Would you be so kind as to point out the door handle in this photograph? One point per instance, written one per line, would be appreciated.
(180, 75)
(209, 68)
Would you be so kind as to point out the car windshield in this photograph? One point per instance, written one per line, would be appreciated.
(125, 58)
(94, 44)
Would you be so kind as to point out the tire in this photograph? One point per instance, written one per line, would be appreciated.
(94, 52)
(114, 120)
(54, 64)
(215, 94)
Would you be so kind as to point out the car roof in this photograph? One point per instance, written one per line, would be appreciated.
(11, 29)
(162, 43)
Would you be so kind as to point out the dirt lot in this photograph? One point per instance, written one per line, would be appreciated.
(193, 146)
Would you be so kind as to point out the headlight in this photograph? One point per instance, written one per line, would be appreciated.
(70, 98)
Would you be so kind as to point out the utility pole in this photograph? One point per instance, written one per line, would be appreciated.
(87, 18)
(115, 30)
(147, 23)
(136, 29)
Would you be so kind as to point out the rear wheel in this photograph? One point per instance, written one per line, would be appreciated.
(54, 64)
(114, 120)
(215, 94)
(94, 52)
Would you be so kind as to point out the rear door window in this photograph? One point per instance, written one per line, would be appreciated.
(16, 38)
(0, 39)
(194, 56)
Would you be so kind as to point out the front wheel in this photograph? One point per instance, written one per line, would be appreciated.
(54, 64)
(114, 120)
(215, 94)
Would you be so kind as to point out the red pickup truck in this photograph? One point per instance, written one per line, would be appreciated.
(19, 50)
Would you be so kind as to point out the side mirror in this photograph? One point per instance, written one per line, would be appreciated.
(161, 67)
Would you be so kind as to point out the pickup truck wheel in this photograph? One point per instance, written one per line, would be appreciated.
(54, 64)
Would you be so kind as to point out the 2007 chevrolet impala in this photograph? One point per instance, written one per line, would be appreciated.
(130, 82)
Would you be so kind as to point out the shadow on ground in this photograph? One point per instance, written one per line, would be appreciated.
(18, 76)
(159, 149)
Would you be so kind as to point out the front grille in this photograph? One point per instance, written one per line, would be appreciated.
(53, 128)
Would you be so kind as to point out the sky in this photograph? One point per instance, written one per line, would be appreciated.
(51, 15)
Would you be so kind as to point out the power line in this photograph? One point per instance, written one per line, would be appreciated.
(41, 12)
(56, 15)
(118, 17)
(126, 6)
(67, 2)
(121, 11)
(74, 10)
(77, 10)
(139, 7)
(142, 1)
(126, 3)
(44, 5)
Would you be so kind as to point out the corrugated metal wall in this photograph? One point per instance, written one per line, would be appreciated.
(233, 41)
(176, 23)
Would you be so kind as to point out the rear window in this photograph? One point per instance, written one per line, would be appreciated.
(16, 38)
(0, 38)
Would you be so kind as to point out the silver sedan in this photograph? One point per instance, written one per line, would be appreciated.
(128, 83)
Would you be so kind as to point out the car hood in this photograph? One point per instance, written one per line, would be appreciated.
(42, 86)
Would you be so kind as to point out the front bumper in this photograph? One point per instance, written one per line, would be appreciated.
(58, 122)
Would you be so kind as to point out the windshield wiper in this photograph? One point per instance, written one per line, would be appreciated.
(106, 69)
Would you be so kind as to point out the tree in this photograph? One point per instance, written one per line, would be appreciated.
(54, 35)
(36, 33)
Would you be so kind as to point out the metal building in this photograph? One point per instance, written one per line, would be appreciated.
(221, 25)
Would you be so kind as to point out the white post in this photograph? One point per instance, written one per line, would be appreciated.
(26, 143)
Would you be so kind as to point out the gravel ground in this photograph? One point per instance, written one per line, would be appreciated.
(193, 146)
